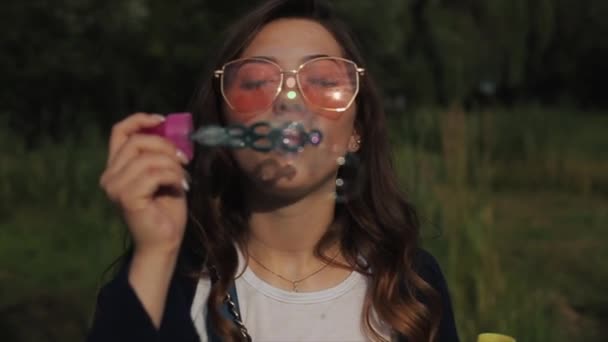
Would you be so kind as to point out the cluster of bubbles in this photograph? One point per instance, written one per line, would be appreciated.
(290, 137)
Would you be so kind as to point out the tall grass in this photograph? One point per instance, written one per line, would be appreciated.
(453, 164)
(57, 233)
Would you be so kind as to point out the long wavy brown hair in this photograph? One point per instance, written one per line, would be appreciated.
(377, 230)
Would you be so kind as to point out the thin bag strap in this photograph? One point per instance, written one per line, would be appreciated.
(229, 310)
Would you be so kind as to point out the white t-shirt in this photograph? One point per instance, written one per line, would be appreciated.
(272, 314)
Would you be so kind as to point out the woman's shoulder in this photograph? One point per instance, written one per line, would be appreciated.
(423, 258)
(427, 267)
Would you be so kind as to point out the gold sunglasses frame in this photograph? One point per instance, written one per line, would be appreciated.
(360, 72)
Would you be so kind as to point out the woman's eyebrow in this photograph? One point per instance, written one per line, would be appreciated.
(309, 57)
(302, 60)
(268, 58)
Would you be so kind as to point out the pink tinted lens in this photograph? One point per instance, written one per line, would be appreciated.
(329, 83)
(250, 86)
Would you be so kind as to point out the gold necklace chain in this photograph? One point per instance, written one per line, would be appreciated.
(295, 283)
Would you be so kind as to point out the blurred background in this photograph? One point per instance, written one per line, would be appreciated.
(498, 116)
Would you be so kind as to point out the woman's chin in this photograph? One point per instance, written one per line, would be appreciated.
(291, 183)
(285, 176)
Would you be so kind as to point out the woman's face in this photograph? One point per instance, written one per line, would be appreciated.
(289, 43)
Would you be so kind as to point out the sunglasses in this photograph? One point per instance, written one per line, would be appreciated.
(251, 85)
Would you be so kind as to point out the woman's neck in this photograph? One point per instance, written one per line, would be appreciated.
(294, 228)
(284, 238)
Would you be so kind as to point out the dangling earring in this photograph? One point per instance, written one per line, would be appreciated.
(349, 178)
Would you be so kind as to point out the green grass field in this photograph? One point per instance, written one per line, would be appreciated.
(514, 203)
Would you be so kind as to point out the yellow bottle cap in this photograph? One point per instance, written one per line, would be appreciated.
(491, 337)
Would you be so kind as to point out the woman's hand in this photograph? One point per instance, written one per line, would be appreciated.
(144, 176)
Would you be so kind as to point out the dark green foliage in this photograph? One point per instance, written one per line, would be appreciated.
(66, 63)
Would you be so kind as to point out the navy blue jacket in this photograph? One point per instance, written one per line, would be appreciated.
(120, 316)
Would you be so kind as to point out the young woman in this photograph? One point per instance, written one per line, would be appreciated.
(265, 245)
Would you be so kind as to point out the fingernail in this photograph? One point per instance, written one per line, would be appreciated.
(182, 157)
(185, 185)
(159, 117)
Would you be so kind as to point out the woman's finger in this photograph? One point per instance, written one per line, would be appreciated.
(139, 144)
(138, 167)
(138, 193)
(131, 125)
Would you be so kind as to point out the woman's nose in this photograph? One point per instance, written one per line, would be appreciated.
(290, 99)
